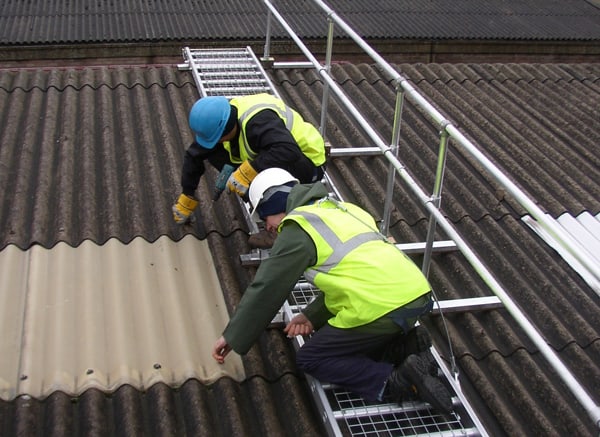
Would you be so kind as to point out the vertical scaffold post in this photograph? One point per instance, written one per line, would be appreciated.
(436, 197)
(387, 208)
(267, 48)
(323, 127)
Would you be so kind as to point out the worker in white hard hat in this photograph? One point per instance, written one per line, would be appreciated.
(363, 324)
(246, 135)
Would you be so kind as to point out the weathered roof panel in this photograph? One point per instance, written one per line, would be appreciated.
(59, 22)
(222, 409)
(105, 316)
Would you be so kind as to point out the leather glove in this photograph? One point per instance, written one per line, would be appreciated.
(184, 207)
(240, 180)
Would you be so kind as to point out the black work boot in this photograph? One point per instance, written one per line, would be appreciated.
(417, 340)
(428, 388)
(431, 364)
(398, 388)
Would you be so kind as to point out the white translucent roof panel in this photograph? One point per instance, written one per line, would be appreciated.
(585, 231)
(103, 316)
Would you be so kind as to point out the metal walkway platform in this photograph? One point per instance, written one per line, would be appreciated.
(227, 72)
(235, 72)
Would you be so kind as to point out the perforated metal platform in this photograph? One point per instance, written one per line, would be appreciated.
(227, 72)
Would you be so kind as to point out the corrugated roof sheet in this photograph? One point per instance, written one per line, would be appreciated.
(466, 19)
(222, 409)
(59, 21)
(105, 316)
(95, 154)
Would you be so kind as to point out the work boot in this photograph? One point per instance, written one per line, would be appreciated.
(398, 388)
(427, 388)
(262, 240)
(430, 363)
(416, 341)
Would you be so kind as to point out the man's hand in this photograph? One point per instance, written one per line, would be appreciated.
(183, 209)
(240, 180)
(299, 325)
(220, 350)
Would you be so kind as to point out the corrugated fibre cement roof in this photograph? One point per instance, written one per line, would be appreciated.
(85, 21)
(90, 161)
(110, 315)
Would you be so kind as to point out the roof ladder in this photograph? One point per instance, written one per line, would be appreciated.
(237, 72)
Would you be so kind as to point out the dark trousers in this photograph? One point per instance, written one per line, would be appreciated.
(349, 358)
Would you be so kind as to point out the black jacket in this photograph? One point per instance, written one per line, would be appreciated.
(268, 137)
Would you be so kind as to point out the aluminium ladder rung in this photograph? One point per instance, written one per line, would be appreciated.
(216, 88)
(224, 90)
(227, 84)
(369, 410)
(340, 152)
(212, 56)
(467, 304)
(228, 81)
(221, 66)
(438, 247)
(445, 306)
(255, 257)
(234, 75)
(219, 52)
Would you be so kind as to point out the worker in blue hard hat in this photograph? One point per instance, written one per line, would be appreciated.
(363, 324)
(249, 133)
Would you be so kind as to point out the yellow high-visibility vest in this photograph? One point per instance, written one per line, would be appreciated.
(306, 135)
(361, 275)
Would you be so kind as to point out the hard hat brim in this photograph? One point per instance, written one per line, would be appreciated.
(206, 145)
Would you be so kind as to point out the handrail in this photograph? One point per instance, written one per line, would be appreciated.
(564, 239)
(431, 203)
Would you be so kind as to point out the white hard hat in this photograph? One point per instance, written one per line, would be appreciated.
(271, 177)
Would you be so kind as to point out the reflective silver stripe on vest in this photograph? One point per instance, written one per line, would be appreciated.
(286, 114)
(340, 249)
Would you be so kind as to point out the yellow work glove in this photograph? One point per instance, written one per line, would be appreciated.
(240, 180)
(184, 207)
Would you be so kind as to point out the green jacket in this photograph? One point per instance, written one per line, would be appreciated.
(293, 252)
(276, 276)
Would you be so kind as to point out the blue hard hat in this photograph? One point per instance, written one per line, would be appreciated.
(208, 118)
